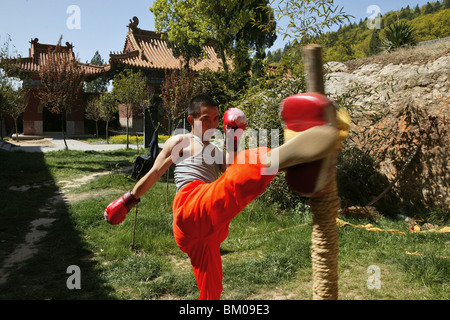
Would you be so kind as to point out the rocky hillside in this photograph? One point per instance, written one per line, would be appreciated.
(384, 85)
(419, 75)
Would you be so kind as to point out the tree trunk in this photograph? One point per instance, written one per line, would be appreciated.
(107, 138)
(1, 128)
(96, 128)
(17, 133)
(63, 117)
(137, 143)
(224, 60)
(168, 170)
(128, 118)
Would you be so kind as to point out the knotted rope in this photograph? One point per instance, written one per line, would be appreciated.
(325, 205)
(324, 248)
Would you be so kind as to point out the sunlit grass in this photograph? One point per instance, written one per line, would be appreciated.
(266, 255)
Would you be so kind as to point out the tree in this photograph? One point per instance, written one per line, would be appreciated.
(12, 102)
(93, 111)
(2, 103)
(227, 25)
(446, 4)
(258, 64)
(437, 6)
(100, 84)
(308, 20)
(375, 43)
(62, 83)
(130, 89)
(428, 8)
(417, 11)
(8, 66)
(15, 105)
(177, 90)
(3, 89)
(109, 108)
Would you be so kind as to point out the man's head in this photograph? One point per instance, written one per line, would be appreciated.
(199, 101)
(203, 114)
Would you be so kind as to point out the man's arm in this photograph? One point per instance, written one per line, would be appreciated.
(162, 163)
(117, 210)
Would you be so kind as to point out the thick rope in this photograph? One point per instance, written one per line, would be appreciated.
(324, 248)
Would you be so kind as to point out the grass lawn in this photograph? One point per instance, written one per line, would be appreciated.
(266, 255)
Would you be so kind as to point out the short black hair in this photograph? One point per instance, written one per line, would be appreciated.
(200, 101)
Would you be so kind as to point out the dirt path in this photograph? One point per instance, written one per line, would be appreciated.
(37, 232)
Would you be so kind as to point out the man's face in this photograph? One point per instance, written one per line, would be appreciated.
(207, 120)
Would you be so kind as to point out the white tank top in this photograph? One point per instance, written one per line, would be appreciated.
(203, 166)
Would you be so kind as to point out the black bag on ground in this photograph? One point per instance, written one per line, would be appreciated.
(142, 165)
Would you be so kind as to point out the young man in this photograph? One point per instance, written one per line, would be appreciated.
(205, 202)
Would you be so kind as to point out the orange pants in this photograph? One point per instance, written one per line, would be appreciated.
(202, 213)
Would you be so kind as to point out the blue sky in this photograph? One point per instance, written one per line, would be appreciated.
(102, 23)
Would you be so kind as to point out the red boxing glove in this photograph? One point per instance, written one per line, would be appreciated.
(299, 113)
(117, 210)
(235, 122)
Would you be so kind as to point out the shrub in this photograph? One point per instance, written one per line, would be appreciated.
(359, 180)
(162, 138)
(122, 139)
(261, 104)
(397, 35)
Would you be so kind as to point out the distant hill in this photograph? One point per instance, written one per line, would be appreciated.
(353, 41)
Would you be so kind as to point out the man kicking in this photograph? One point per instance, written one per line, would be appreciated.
(206, 200)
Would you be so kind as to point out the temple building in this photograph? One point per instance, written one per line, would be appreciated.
(37, 119)
(143, 51)
(146, 51)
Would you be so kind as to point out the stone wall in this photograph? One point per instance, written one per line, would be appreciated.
(387, 83)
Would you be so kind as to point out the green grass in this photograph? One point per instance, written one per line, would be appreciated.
(122, 139)
(266, 255)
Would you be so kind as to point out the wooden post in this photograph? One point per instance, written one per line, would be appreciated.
(324, 248)
(312, 59)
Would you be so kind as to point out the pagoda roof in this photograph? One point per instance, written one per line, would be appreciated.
(148, 50)
(39, 53)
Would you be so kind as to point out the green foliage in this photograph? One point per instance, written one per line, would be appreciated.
(356, 40)
(222, 86)
(308, 19)
(359, 180)
(432, 26)
(130, 89)
(175, 20)
(227, 25)
(399, 35)
(266, 255)
(261, 104)
(109, 106)
(100, 84)
(375, 43)
(12, 99)
(177, 90)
